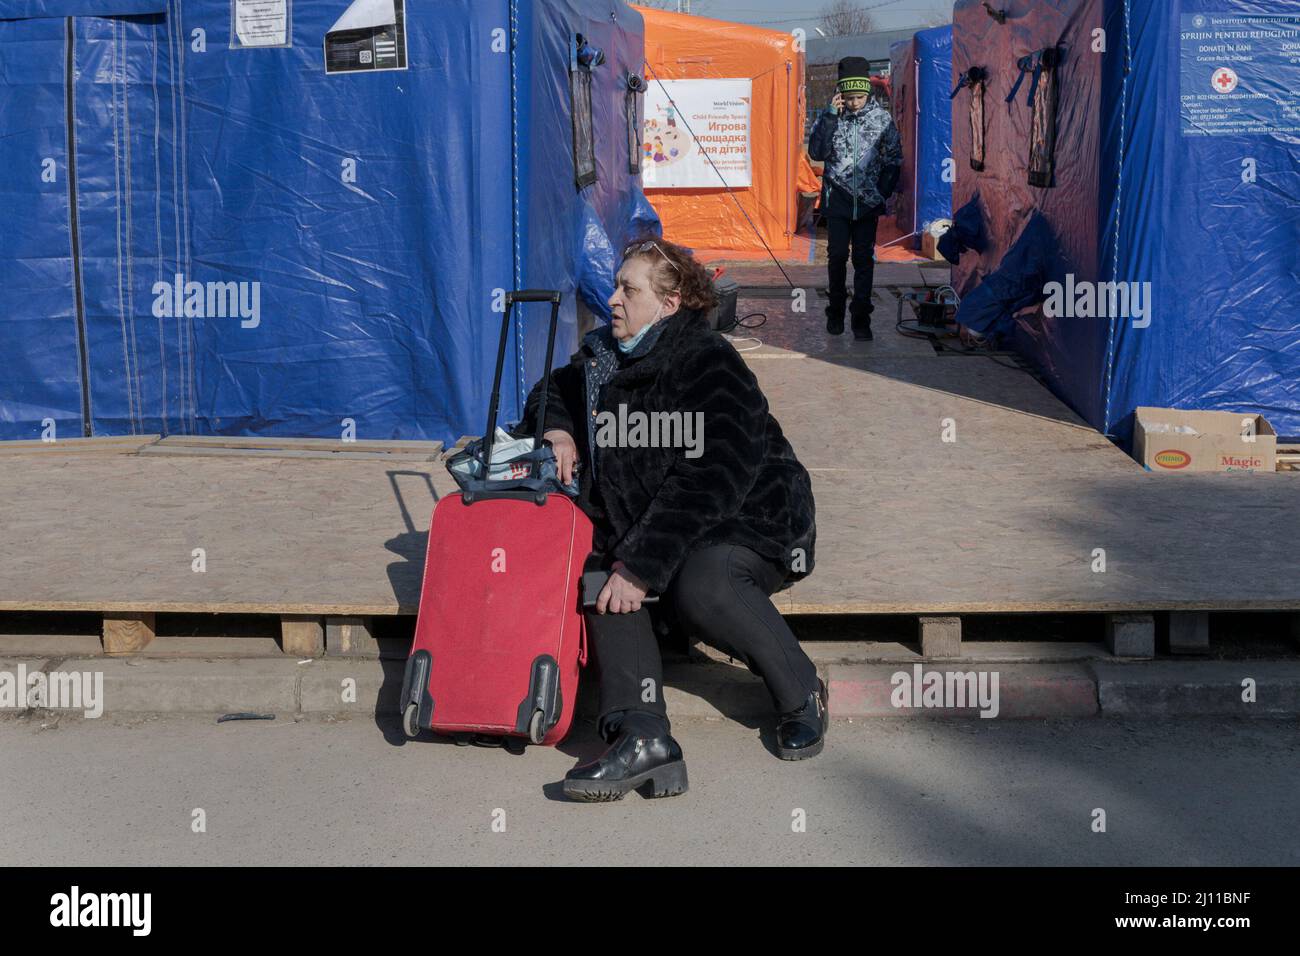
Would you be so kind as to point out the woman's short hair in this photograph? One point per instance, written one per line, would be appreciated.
(674, 269)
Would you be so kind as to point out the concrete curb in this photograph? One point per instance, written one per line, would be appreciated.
(940, 687)
(1194, 688)
(712, 690)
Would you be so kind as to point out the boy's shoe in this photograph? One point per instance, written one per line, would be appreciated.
(801, 733)
(862, 327)
(834, 322)
(631, 762)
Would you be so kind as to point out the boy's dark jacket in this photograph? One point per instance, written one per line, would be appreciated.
(880, 158)
(652, 507)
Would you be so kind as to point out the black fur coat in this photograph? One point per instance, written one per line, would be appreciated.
(736, 481)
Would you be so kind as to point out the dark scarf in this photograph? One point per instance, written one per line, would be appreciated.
(608, 360)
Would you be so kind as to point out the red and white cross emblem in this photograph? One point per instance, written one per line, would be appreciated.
(1224, 80)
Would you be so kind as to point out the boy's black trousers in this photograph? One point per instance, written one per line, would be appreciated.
(861, 234)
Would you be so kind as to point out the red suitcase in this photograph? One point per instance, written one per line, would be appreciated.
(499, 640)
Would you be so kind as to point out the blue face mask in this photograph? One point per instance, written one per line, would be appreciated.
(627, 345)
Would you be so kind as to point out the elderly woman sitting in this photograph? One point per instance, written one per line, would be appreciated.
(696, 495)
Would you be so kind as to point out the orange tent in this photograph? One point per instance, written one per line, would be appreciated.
(683, 47)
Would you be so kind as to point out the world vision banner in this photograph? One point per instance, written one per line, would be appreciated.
(718, 113)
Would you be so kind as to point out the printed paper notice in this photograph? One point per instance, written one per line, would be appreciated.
(1238, 74)
(260, 23)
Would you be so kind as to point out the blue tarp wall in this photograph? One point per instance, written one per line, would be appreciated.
(920, 71)
(1160, 178)
(370, 217)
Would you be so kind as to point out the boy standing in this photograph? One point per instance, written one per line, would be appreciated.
(859, 144)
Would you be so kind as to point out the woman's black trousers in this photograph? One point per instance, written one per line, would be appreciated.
(721, 595)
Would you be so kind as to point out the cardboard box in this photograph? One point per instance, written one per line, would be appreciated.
(1175, 440)
(930, 246)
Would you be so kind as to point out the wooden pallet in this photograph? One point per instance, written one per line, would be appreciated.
(213, 445)
(131, 632)
(123, 445)
(936, 637)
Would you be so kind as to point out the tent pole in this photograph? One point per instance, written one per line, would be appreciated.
(789, 154)
(517, 266)
(916, 143)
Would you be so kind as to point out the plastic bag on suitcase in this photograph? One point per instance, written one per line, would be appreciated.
(516, 465)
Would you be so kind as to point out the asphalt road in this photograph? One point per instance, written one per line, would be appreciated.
(123, 791)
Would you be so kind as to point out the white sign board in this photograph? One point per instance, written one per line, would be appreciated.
(717, 112)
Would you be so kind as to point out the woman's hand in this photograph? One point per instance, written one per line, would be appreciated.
(566, 453)
(622, 593)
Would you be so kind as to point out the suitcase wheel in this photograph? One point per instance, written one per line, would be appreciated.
(536, 730)
(410, 724)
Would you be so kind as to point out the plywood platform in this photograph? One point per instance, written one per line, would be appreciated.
(279, 535)
(1010, 515)
(1006, 518)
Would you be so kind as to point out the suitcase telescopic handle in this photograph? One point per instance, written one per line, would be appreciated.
(512, 298)
(534, 295)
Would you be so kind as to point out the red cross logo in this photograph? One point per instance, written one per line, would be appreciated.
(1224, 80)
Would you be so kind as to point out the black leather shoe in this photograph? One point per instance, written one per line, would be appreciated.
(631, 762)
(802, 733)
(863, 335)
(834, 322)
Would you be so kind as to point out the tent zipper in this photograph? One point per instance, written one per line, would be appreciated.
(70, 119)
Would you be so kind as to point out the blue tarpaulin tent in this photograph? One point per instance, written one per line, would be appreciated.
(1132, 169)
(920, 69)
(271, 218)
